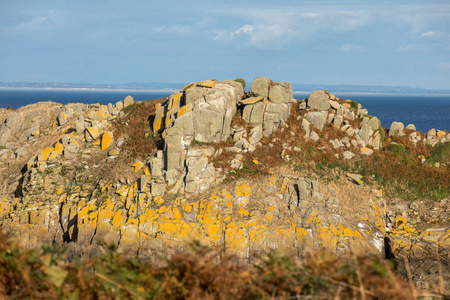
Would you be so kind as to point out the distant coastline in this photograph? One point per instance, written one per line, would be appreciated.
(147, 87)
(378, 94)
(161, 90)
(172, 90)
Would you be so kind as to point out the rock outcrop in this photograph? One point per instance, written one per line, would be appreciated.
(226, 171)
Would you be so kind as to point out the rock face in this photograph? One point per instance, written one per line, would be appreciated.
(26, 123)
(200, 113)
(203, 113)
(184, 190)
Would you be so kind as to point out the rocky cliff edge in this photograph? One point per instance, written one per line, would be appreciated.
(242, 171)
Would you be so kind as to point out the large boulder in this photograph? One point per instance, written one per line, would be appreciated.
(253, 113)
(281, 92)
(374, 123)
(260, 87)
(364, 133)
(274, 115)
(319, 100)
(200, 113)
(317, 119)
(396, 129)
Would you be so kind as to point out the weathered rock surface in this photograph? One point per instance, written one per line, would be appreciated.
(64, 193)
(396, 129)
(260, 87)
(319, 100)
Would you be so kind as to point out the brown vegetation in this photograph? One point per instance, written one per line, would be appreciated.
(136, 127)
(198, 273)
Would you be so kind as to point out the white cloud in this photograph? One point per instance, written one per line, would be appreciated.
(36, 21)
(429, 33)
(245, 29)
(32, 24)
(223, 35)
(311, 15)
(351, 48)
(277, 28)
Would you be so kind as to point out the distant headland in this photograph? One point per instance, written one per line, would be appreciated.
(171, 86)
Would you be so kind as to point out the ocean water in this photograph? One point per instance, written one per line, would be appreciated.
(17, 98)
(424, 111)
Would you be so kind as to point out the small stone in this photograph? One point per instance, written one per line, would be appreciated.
(411, 127)
(302, 105)
(128, 101)
(242, 144)
(355, 178)
(313, 136)
(62, 119)
(366, 151)
(334, 104)
(348, 155)
(91, 133)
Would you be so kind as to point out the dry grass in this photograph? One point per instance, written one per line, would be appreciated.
(395, 168)
(136, 127)
(197, 273)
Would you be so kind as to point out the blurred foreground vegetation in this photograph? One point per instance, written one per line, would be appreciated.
(195, 273)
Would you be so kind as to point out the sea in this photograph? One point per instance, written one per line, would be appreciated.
(424, 111)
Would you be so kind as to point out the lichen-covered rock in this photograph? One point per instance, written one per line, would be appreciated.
(62, 118)
(107, 139)
(91, 133)
(197, 113)
(65, 192)
(128, 101)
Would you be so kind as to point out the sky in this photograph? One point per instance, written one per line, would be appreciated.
(366, 42)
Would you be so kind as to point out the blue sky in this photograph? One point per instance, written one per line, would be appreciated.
(327, 42)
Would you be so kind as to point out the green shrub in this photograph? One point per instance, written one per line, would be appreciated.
(382, 135)
(396, 149)
(441, 153)
(241, 81)
(354, 106)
